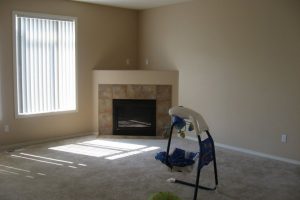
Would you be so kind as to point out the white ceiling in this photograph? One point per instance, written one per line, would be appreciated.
(134, 4)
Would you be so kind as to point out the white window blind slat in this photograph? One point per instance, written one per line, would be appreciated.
(51, 64)
(35, 67)
(48, 29)
(40, 74)
(43, 27)
(22, 71)
(28, 68)
(45, 65)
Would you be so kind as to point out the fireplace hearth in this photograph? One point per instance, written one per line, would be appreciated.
(134, 117)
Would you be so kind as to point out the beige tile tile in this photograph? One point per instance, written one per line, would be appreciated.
(105, 120)
(105, 92)
(105, 105)
(162, 107)
(119, 92)
(148, 92)
(164, 93)
(134, 91)
(105, 131)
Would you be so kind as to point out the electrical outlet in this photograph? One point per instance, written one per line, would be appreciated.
(283, 138)
(127, 61)
(147, 61)
(6, 128)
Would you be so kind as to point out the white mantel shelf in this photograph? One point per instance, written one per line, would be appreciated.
(134, 77)
(151, 77)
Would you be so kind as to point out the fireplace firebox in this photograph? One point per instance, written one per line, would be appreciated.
(134, 117)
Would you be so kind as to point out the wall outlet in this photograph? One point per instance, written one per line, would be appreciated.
(6, 128)
(283, 138)
(147, 61)
(127, 61)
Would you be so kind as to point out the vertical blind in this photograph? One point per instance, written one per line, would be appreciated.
(45, 65)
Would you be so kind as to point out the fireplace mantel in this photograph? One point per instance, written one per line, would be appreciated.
(132, 77)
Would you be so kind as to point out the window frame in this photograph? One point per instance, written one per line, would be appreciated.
(15, 68)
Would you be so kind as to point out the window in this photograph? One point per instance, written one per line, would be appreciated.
(45, 64)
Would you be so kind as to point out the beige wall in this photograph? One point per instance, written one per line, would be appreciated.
(239, 65)
(106, 37)
(238, 62)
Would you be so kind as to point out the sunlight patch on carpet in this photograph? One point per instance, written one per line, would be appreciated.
(114, 145)
(102, 148)
(46, 158)
(131, 153)
(85, 150)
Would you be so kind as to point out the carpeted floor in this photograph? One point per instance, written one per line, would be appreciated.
(92, 168)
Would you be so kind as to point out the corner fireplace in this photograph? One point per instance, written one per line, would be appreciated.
(134, 117)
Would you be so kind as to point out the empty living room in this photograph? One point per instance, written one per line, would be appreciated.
(149, 99)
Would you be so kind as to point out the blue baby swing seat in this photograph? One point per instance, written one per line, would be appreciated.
(179, 158)
(182, 116)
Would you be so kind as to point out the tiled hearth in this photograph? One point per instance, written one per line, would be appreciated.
(108, 92)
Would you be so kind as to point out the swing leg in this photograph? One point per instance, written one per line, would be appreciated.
(197, 183)
(169, 144)
(170, 138)
(214, 159)
(193, 185)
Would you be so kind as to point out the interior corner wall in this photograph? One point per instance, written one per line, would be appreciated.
(106, 37)
(239, 66)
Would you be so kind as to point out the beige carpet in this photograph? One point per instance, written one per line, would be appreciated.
(114, 169)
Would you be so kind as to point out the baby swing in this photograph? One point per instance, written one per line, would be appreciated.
(181, 117)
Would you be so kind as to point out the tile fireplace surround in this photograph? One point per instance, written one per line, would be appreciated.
(133, 84)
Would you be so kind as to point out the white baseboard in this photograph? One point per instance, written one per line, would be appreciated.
(249, 151)
(20, 145)
(256, 153)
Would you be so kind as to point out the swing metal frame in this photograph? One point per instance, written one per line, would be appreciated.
(196, 185)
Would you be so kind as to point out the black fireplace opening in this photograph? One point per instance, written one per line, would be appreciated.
(134, 117)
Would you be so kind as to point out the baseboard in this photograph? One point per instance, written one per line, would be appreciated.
(20, 145)
(256, 153)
